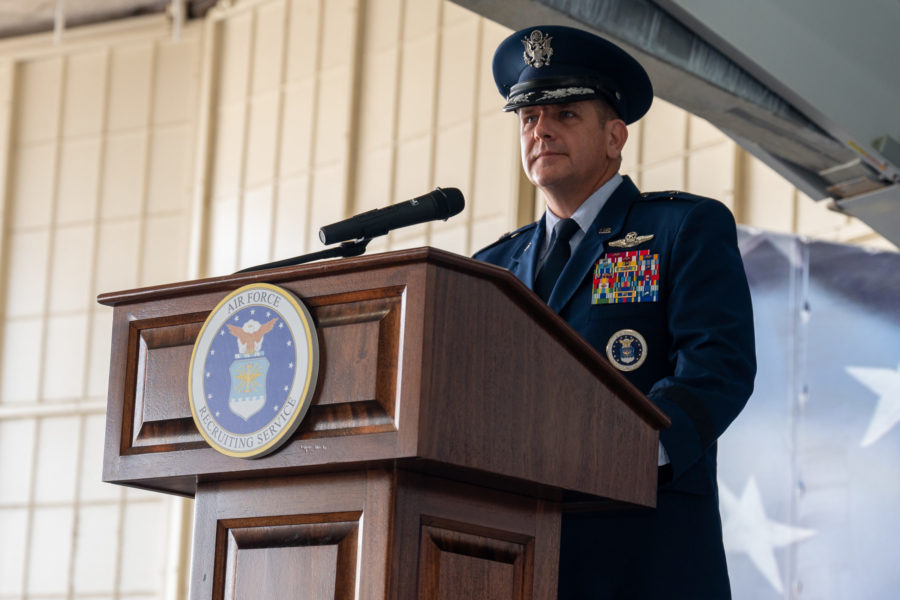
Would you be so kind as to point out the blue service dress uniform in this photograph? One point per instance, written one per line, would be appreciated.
(698, 367)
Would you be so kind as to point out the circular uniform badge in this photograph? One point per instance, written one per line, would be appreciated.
(253, 371)
(626, 349)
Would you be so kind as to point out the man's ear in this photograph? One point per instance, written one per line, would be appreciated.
(617, 135)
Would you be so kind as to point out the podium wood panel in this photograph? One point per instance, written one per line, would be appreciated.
(313, 536)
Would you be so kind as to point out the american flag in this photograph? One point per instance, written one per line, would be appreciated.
(809, 473)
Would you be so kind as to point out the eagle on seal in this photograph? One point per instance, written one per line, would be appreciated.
(250, 336)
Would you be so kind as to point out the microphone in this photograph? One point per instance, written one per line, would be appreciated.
(439, 204)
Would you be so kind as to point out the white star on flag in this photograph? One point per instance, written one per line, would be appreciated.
(885, 383)
(747, 530)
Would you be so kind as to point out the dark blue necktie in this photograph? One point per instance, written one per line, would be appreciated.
(556, 258)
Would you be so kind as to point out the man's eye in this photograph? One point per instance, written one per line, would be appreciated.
(567, 114)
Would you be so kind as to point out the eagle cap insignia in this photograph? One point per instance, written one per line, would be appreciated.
(537, 49)
(631, 239)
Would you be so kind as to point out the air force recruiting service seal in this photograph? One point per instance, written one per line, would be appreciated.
(253, 371)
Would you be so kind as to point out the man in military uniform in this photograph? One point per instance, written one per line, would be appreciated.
(653, 281)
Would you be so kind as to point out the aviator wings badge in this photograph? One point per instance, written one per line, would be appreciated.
(631, 240)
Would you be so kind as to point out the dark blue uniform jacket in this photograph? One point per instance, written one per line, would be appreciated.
(699, 369)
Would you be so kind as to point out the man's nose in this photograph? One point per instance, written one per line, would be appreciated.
(543, 128)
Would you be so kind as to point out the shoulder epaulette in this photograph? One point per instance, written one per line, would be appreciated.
(510, 235)
(670, 195)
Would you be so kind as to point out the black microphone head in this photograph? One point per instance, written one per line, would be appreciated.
(450, 201)
(438, 204)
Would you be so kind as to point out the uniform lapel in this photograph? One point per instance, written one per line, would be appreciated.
(524, 265)
(607, 224)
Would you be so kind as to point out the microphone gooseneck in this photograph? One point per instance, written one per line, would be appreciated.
(355, 233)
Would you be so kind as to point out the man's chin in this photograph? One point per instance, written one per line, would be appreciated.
(544, 178)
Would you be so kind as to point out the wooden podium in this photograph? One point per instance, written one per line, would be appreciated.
(456, 417)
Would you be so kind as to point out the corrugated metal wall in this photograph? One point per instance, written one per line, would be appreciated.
(97, 135)
(319, 110)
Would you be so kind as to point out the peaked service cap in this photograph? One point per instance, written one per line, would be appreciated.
(552, 64)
